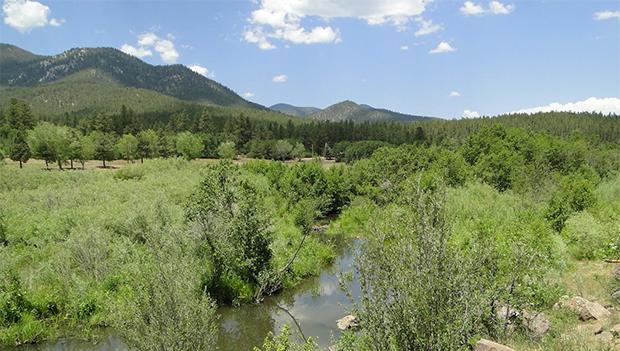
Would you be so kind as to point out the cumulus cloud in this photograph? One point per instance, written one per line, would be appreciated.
(24, 15)
(441, 48)
(202, 70)
(281, 78)
(495, 7)
(282, 19)
(471, 9)
(404, 47)
(165, 47)
(139, 52)
(248, 95)
(593, 104)
(426, 27)
(454, 93)
(605, 15)
(470, 114)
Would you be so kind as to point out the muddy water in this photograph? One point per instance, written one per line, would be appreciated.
(310, 309)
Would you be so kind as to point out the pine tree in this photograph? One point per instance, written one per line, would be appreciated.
(20, 150)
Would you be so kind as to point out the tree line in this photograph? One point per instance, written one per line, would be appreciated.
(220, 133)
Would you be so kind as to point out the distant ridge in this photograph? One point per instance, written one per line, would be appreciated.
(294, 110)
(350, 111)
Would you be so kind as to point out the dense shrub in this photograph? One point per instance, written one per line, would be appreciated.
(235, 228)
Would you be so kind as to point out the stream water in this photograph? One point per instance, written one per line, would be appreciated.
(310, 309)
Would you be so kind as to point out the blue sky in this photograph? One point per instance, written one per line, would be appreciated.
(437, 58)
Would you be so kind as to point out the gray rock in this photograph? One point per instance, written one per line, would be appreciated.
(347, 322)
(488, 345)
(586, 309)
(594, 310)
(615, 330)
(537, 323)
(605, 337)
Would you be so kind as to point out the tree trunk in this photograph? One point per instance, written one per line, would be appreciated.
(60, 165)
(103, 163)
(47, 165)
(20, 164)
(71, 163)
(83, 163)
(141, 159)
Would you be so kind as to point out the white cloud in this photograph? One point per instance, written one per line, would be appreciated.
(441, 48)
(139, 52)
(471, 9)
(257, 36)
(165, 47)
(426, 27)
(202, 70)
(470, 114)
(605, 15)
(454, 93)
(593, 104)
(496, 7)
(25, 15)
(281, 78)
(404, 47)
(248, 95)
(282, 19)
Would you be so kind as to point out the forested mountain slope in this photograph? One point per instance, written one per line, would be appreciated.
(351, 111)
(110, 73)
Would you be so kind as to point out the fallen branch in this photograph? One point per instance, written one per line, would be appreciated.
(612, 261)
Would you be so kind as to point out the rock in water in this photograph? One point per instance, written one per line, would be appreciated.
(488, 345)
(347, 322)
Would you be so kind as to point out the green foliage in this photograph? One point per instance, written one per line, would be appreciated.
(166, 309)
(235, 228)
(408, 257)
(282, 150)
(576, 194)
(127, 147)
(104, 146)
(148, 144)
(282, 342)
(50, 142)
(189, 145)
(20, 151)
(227, 151)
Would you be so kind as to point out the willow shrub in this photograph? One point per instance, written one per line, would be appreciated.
(419, 292)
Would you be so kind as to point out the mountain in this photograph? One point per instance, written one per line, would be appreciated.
(91, 78)
(294, 110)
(351, 111)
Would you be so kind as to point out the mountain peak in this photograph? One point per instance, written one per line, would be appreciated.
(19, 68)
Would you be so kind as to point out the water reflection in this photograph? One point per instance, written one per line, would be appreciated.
(311, 310)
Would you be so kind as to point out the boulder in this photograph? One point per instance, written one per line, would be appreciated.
(488, 345)
(615, 330)
(605, 337)
(537, 323)
(594, 310)
(347, 322)
(586, 309)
